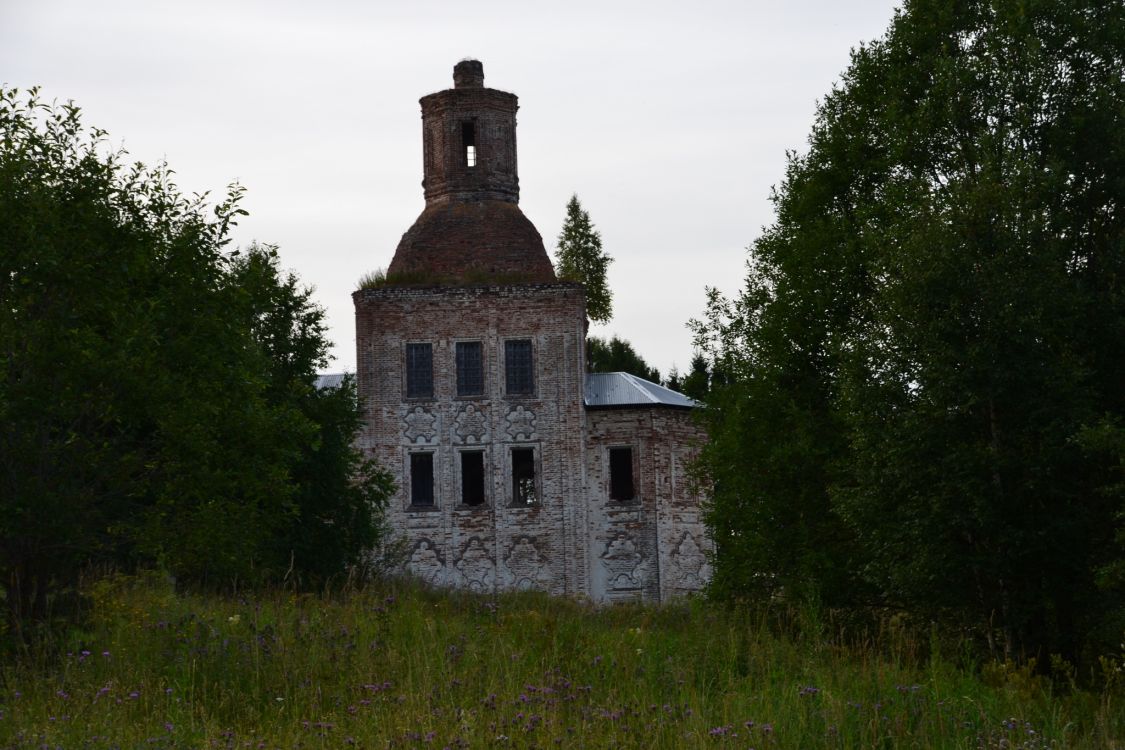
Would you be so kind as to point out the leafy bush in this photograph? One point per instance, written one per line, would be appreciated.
(156, 390)
(924, 405)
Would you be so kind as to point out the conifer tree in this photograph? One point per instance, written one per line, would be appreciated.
(617, 355)
(697, 382)
(580, 258)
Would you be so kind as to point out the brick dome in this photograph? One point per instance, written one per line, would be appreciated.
(472, 241)
(472, 229)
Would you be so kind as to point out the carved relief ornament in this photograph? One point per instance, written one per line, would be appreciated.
(521, 424)
(471, 425)
(419, 426)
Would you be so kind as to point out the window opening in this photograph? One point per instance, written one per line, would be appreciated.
(419, 371)
(469, 139)
(621, 474)
(472, 477)
(517, 367)
(422, 479)
(470, 368)
(523, 476)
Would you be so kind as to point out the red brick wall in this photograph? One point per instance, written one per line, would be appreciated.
(655, 546)
(495, 545)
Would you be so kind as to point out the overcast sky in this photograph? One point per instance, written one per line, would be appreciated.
(669, 119)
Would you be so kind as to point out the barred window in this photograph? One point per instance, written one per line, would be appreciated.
(518, 367)
(472, 477)
(421, 479)
(523, 477)
(621, 474)
(470, 368)
(419, 371)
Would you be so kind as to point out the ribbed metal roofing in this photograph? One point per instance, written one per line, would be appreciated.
(329, 380)
(603, 390)
(619, 389)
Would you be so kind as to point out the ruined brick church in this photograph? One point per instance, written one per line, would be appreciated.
(515, 468)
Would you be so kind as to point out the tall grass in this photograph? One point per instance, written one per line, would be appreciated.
(400, 666)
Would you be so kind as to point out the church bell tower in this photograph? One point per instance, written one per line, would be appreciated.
(472, 229)
(469, 140)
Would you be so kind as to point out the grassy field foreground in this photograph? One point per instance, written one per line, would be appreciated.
(397, 666)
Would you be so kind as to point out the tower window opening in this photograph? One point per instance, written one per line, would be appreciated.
(469, 139)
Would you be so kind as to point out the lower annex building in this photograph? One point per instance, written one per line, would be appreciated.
(515, 468)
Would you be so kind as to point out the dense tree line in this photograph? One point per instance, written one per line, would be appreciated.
(157, 398)
(617, 355)
(923, 404)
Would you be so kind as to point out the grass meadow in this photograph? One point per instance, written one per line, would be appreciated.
(396, 665)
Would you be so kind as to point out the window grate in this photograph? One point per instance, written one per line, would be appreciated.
(470, 368)
(419, 371)
(518, 372)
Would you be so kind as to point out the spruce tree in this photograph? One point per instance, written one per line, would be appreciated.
(580, 258)
(617, 355)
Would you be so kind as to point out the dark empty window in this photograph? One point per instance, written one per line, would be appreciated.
(470, 369)
(421, 479)
(469, 139)
(517, 367)
(472, 477)
(419, 371)
(523, 476)
(621, 474)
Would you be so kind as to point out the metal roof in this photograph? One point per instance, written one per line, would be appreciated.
(620, 389)
(329, 380)
(604, 390)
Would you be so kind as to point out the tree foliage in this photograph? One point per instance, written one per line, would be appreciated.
(339, 495)
(617, 355)
(925, 402)
(697, 383)
(580, 257)
(156, 390)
